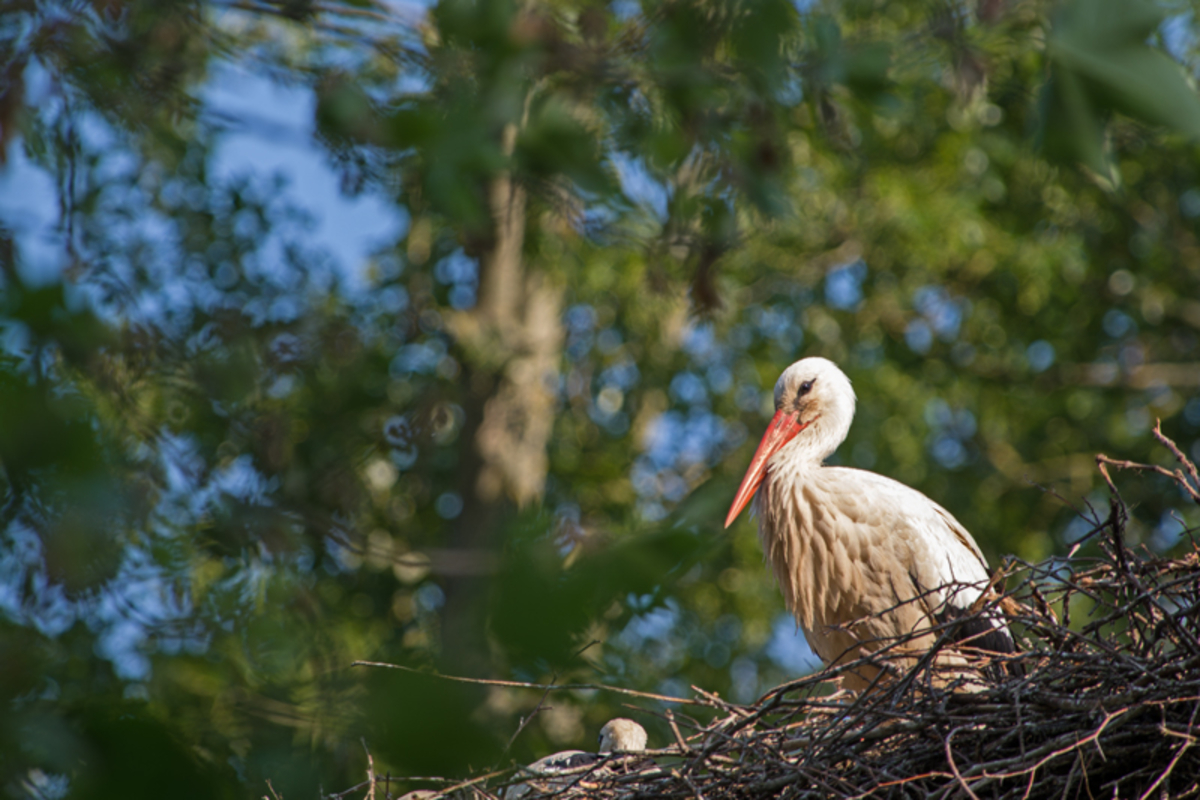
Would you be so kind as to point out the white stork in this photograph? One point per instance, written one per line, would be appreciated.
(862, 560)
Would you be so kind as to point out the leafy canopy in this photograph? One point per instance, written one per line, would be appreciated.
(503, 443)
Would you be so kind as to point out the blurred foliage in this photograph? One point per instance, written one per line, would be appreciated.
(503, 446)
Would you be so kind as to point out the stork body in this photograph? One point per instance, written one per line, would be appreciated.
(863, 561)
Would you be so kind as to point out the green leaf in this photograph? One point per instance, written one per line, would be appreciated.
(866, 66)
(1101, 44)
(413, 126)
(1137, 81)
(555, 143)
(425, 725)
(757, 39)
(133, 756)
(540, 608)
(1106, 24)
(51, 432)
(345, 112)
(1072, 129)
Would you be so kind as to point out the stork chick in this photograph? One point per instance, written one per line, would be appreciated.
(621, 735)
(569, 768)
(863, 561)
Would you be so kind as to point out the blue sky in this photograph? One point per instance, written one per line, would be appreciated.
(270, 134)
(276, 138)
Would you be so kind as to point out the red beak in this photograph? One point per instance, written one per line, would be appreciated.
(783, 428)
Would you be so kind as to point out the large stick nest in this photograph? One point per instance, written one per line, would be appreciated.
(1108, 705)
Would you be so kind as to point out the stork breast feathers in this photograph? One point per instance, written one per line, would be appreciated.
(869, 528)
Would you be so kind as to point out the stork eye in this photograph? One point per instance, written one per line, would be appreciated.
(805, 388)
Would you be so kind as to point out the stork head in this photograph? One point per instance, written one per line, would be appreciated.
(812, 396)
(622, 734)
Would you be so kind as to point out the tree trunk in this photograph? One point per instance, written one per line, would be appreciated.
(514, 338)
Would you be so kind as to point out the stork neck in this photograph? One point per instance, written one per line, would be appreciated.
(814, 444)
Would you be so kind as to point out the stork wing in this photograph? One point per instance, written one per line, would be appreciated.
(986, 632)
(946, 570)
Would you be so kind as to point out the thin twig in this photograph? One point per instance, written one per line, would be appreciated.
(954, 767)
(524, 685)
(370, 770)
